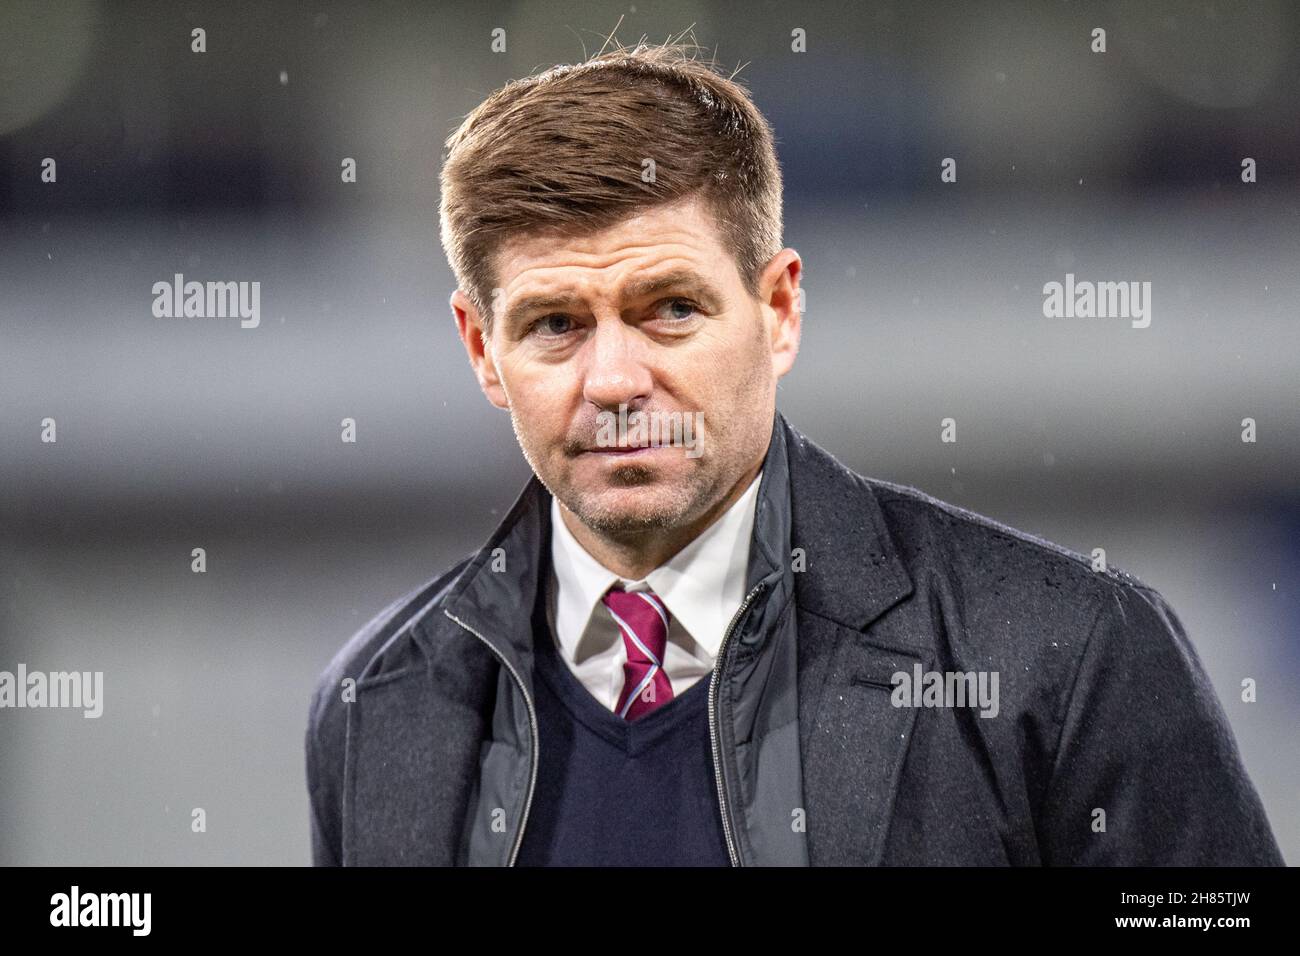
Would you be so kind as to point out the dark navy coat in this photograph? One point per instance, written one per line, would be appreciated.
(1108, 745)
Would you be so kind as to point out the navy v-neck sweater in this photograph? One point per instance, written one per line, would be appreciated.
(612, 792)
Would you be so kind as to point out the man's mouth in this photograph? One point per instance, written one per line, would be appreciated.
(619, 450)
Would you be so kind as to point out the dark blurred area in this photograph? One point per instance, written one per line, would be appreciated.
(179, 433)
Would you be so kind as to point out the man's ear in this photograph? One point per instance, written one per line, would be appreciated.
(470, 326)
(782, 304)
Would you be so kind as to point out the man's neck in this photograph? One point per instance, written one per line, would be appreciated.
(634, 557)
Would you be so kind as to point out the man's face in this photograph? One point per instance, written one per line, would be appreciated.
(698, 343)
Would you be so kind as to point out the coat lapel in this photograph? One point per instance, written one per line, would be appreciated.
(853, 741)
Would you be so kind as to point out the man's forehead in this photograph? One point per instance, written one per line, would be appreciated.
(683, 232)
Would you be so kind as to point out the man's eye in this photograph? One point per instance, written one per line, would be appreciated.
(678, 309)
(546, 326)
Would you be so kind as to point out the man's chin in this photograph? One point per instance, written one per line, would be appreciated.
(628, 510)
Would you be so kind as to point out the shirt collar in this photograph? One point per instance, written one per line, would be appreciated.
(702, 585)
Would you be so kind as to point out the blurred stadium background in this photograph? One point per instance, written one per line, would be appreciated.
(923, 301)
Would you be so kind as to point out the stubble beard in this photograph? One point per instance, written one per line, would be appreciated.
(665, 505)
(668, 503)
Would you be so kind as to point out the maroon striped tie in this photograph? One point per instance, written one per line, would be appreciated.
(643, 621)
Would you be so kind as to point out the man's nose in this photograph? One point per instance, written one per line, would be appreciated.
(616, 370)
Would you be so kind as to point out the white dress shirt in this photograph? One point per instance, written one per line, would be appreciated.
(702, 586)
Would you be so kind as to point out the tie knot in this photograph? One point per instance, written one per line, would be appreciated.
(643, 619)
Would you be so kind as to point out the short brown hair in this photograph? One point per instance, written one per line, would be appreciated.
(562, 153)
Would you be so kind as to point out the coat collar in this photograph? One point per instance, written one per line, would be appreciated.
(854, 572)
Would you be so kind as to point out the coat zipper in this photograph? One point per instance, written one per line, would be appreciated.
(532, 724)
(713, 731)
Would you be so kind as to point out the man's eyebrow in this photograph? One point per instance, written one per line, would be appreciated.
(535, 303)
(680, 279)
(686, 280)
